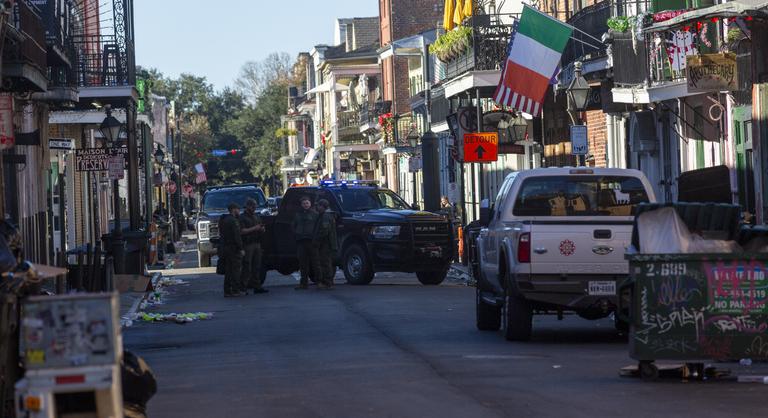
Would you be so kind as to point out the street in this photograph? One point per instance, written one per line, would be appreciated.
(394, 348)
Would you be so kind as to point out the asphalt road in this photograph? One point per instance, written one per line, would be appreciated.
(395, 349)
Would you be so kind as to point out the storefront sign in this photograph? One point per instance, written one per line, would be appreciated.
(712, 72)
(97, 159)
(6, 121)
(65, 144)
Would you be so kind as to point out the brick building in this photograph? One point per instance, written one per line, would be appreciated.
(399, 19)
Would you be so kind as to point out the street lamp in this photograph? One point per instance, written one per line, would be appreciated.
(578, 90)
(519, 127)
(110, 127)
(578, 94)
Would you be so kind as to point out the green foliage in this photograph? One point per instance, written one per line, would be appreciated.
(452, 43)
(621, 23)
(285, 132)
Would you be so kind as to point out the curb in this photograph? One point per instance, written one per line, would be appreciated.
(128, 318)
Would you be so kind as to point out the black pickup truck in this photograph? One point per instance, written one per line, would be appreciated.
(377, 231)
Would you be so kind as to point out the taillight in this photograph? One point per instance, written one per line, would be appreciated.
(524, 248)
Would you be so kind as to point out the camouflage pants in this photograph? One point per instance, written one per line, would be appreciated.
(233, 267)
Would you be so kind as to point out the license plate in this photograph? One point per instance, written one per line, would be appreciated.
(602, 288)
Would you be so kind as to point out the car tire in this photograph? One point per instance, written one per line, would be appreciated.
(488, 317)
(203, 260)
(431, 278)
(517, 317)
(357, 266)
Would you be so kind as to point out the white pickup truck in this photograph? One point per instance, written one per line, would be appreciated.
(554, 241)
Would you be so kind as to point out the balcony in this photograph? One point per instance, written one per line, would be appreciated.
(594, 21)
(24, 54)
(348, 128)
(369, 116)
(487, 49)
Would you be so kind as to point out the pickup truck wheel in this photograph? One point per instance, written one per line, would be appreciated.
(357, 268)
(488, 317)
(203, 260)
(431, 278)
(517, 317)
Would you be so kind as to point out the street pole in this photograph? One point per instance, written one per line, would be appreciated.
(430, 153)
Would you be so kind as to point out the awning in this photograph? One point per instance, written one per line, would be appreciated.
(84, 117)
(327, 87)
(471, 81)
(410, 46)
(737, 8)
(311, 155)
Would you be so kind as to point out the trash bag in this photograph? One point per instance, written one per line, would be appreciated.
(662, 231)
(139, 385)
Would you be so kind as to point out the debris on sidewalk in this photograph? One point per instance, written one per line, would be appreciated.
(179, 318)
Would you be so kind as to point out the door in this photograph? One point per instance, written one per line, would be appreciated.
(742, 142)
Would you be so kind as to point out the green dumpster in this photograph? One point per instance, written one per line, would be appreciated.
(696, 307)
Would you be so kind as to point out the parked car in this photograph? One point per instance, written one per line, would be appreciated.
(377, 231)
(214, 204)
(554, 241)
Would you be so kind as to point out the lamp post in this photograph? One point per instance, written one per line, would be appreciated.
(578, 94)
(111, 128)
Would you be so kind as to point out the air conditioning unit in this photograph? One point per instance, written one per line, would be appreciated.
(642, 132)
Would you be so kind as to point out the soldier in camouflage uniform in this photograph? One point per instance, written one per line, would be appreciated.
(304, 224)
(326, 243)
(232, 251)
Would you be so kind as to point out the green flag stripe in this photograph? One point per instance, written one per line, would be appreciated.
(544, 29)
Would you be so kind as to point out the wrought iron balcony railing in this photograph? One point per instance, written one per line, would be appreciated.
(488, 49)
(103, 61)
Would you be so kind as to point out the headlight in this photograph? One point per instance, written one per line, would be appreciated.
(203, 230)
(385, 231)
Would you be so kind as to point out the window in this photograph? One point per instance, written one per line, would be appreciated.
(220, 199)
(365, 199)
(579, 196)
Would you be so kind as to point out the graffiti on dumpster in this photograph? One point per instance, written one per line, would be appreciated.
(716, 310)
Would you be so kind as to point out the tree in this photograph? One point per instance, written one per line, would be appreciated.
(256, 76)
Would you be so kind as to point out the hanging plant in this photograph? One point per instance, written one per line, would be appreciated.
(620, 23)
(387, 123)
(452, 44)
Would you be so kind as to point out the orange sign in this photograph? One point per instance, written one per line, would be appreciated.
(481, 147)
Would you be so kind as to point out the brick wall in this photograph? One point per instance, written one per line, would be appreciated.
(365, 32)
(401, 19)
(597, 134)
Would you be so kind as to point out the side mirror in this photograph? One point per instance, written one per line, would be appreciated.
(485, 212)
(415, 206)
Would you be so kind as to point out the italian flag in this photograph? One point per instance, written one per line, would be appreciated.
(534, 54)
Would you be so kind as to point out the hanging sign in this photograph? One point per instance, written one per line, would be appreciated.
(6, 121)
(712, 72)
(65, 144)
(481, 147)
(97, 159)
(579, 144)
(116, 166)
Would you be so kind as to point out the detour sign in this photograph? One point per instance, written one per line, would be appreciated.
(481, 147)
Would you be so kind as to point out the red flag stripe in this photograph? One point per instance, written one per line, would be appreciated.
(525, 82)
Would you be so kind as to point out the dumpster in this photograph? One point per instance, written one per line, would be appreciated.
(696, 306)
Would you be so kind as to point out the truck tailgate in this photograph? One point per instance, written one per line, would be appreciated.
(579, 248)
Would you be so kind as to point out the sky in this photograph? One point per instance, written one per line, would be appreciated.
(214, 39)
